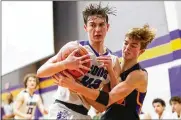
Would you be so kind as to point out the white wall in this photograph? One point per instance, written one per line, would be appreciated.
(159, 85)
(27, 33)
(173, 14)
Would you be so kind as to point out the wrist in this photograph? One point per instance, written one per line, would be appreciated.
(110, 70)
(62, 65)
(77, 87)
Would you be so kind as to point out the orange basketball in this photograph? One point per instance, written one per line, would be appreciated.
(68, 49)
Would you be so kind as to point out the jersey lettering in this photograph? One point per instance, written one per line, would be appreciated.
(31, 104)
(94, 82)
(30, 110)
(100, 72)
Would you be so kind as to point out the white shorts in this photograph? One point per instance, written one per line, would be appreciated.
(59, 111)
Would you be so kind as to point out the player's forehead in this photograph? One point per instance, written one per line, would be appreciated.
(157, 104)
(96, 19)
(174, 102)
(131, 41)
(31, 79)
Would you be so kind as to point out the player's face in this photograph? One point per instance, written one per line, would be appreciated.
(31, 83)
(9, 97)
(96, 28)
(158, 108)
(131, 49)
(176, 107)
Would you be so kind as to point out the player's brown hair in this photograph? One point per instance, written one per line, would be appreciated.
(97, 9)
(144, 34)
(28, 76)
(159, 100)
(175, 99)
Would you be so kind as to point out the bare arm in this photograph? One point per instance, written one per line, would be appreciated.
(123, 89)
(133, 81)
(41, 106)
(99, 107)
(53, 65)
(114, 74)
(17, 104)
(8, 116)
(56, 64)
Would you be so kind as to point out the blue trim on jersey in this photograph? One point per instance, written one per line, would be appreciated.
(83, 42)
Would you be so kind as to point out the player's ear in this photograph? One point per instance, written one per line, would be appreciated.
(85, 27)
(142, 51)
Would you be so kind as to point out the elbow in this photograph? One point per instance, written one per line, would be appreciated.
(39, 73)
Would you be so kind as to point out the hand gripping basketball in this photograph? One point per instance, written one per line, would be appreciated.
(77, 60)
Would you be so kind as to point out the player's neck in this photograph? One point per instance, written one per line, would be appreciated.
(98, 47)
(127, 64)
(160, 115)
(30, 91)
(179, 113)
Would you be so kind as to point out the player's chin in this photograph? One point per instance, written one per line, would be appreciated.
(32, 87)
(98, 39)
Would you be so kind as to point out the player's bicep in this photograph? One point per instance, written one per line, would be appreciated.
(18, 102)
(121, 91)
(124, 88)
(40, 102)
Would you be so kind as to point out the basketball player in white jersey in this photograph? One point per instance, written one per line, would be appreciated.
(27, 101)
(68, 104)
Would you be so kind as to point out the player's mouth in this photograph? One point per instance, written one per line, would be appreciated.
(97, 36)
(32, 85)
(126, 53)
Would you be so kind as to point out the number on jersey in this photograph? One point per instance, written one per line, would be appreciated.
(30, 110)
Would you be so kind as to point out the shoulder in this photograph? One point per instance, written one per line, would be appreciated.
(139, 74)
(22, 92)
(21, 95)
(138, 77)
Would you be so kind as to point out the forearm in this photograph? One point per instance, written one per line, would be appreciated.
(90, 96)
(119, 92)
(87, 92)
(18, 113)
(8, 116)
(50, 69)
(99, 107)
(113, 78)
(43, 110)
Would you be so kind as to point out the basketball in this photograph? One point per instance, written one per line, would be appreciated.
(68, 49)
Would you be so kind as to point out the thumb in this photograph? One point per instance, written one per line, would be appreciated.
(74, 52)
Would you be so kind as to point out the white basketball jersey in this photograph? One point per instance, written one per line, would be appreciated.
(94, 79)
(29, 104)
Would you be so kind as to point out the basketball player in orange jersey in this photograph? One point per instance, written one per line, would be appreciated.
(125, 100)
(68, 104)
(27, 101)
